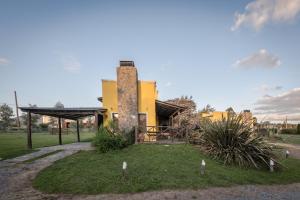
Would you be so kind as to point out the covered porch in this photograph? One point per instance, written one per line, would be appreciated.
(63, 113)
(166, 125)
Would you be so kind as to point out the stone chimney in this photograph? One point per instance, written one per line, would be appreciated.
(127, 84)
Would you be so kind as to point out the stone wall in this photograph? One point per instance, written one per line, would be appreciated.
(127, 86)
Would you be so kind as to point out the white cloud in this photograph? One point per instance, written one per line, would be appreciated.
(4, 61)
(71, 64)
(260, 59)
(268, 88)
(260, 12)
(280, 106)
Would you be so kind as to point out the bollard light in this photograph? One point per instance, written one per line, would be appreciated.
(124, 167)
(202, 167)
(287, 153)
(271, 165)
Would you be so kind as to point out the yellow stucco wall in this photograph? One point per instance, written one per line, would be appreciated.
(109, 99)
(146, 100)
(214, 116)
(147, 94)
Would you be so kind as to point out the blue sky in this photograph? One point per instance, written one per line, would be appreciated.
(238, 53)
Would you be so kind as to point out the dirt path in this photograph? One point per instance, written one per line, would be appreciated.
(16, 183)
(294, 149)
(16, 176)
(247, 192)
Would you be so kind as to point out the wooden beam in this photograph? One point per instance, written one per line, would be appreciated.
(29, 139)
(59, 130)
(78, 136)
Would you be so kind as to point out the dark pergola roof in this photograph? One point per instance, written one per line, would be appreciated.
(66, 113)
(163, 108)
(166, 109)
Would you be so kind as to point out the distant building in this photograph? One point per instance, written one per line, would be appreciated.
(214, 116)
(87, 121)
(246, 115)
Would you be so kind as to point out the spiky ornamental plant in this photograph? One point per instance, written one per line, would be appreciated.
(231, 140)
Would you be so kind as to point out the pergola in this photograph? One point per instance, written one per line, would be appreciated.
(168, 110)
(61, 113)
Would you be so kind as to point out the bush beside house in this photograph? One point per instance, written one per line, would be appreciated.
(110, 138)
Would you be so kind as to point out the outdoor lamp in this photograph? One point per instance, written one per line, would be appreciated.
(287, 153)
(271, 165)
(202, 167)
(124, 167)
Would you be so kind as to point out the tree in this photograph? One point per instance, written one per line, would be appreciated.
(208, 108)
(230, 109)
(298, 129)
(188, 119)
(6, 113)
(59, 105)
(230, 112)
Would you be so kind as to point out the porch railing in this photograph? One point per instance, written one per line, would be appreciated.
(160, 132)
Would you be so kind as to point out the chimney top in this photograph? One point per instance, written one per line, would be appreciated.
(127, 63)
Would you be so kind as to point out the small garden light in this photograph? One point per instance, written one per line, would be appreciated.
(271, 165)
(287, 153)
(202, 167)
(124, 167)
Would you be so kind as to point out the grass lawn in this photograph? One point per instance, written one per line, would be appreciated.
(151, 167)
(15, 144)
(292, 139)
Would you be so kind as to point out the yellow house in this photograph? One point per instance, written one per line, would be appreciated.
(218, 115)
(214, 116)
(134, 103)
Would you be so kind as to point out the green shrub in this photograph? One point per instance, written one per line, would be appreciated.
(231, 140)
(110, 138)
(289, 131)
(44, 126)
(105, 140)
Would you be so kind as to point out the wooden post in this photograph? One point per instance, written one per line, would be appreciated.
(96, 122)
(17, 110)
(59, 130)
(29, 139)
(78, 136)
